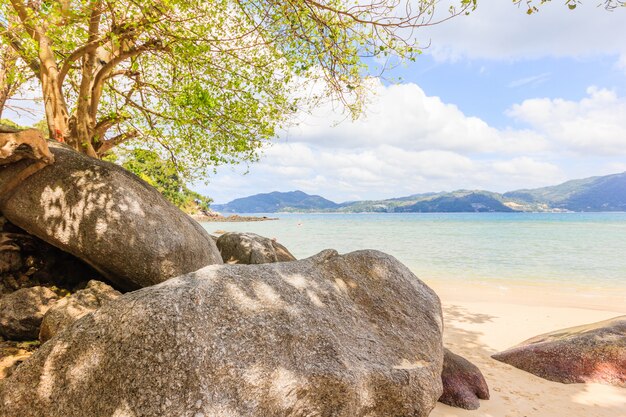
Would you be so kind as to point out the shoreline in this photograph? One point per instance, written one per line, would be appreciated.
(531, 293)
(201, 218)
(482, 319)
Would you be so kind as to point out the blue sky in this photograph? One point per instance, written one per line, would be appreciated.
(500, 100)
(483, 87)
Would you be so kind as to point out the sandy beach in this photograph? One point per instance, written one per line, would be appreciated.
(482, 319)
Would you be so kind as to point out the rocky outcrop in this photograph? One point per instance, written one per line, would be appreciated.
(342, 336)
(463, 383)
(250, 248)
(26, 261)
(107, 217)
(16, 145)
(591, 353)
(21, 312)
(69, 309)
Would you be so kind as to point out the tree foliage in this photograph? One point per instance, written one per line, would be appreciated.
(163, 175)
(532, 6)
(13, 75)
(203, 82)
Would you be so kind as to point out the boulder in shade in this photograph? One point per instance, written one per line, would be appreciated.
(10, 256)
(108, 217)
(590, 353)
(331, 335)
(21, 312)
(250, 248)
(69, 309)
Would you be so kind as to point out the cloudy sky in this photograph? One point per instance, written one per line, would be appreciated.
(499, 101)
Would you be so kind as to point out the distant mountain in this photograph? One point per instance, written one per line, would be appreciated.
(606, 193)
(276, 202)
(473, 201)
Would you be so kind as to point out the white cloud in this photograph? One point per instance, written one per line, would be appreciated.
(594, 125)
(527, 170)
(404, 116)
(500, 30)
(408, 142)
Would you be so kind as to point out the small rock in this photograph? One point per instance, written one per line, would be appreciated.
(10, 257)
(12, 354)
(250, 248)
(69, 309)
(21, 312)
(463, 383)
(21, 144)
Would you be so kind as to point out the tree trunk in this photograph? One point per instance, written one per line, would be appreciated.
(61, 126)
(3, 100)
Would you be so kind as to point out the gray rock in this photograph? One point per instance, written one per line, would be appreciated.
(108, 217)
(69, 309)
(463, 383)
(591, 353)
(21, 312)
(342, 336)
(250, 248)
(10, 256)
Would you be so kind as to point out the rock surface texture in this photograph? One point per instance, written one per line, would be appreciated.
(591, 353)
(107, 217)
(21, 312)
(342, 336)
(69, 309)
(250, 248)
(463, 383)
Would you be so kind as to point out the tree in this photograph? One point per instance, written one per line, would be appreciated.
(205, 82)
(163, 175)
(13, 74)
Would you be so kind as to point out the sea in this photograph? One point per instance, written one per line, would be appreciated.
(553, 248)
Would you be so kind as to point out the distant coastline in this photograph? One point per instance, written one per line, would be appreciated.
(595, 194)
(216, 217)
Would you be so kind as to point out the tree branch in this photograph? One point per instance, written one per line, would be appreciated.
(17, 47)
(101, 76)
(107, 145)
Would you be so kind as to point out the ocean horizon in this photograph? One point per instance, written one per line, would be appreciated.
(582, 249)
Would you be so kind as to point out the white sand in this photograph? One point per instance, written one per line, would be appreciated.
(482, 319)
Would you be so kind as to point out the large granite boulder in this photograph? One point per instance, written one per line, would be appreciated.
(21, 312)
(342, 336)
(590, 353)
(463, 383)
(107, 217)
(250, 248)
(69, 309)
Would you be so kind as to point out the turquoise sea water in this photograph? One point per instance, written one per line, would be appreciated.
(580, 248)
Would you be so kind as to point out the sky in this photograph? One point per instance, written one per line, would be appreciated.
(499, 100)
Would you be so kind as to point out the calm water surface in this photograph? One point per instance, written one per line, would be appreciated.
(581, 248)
